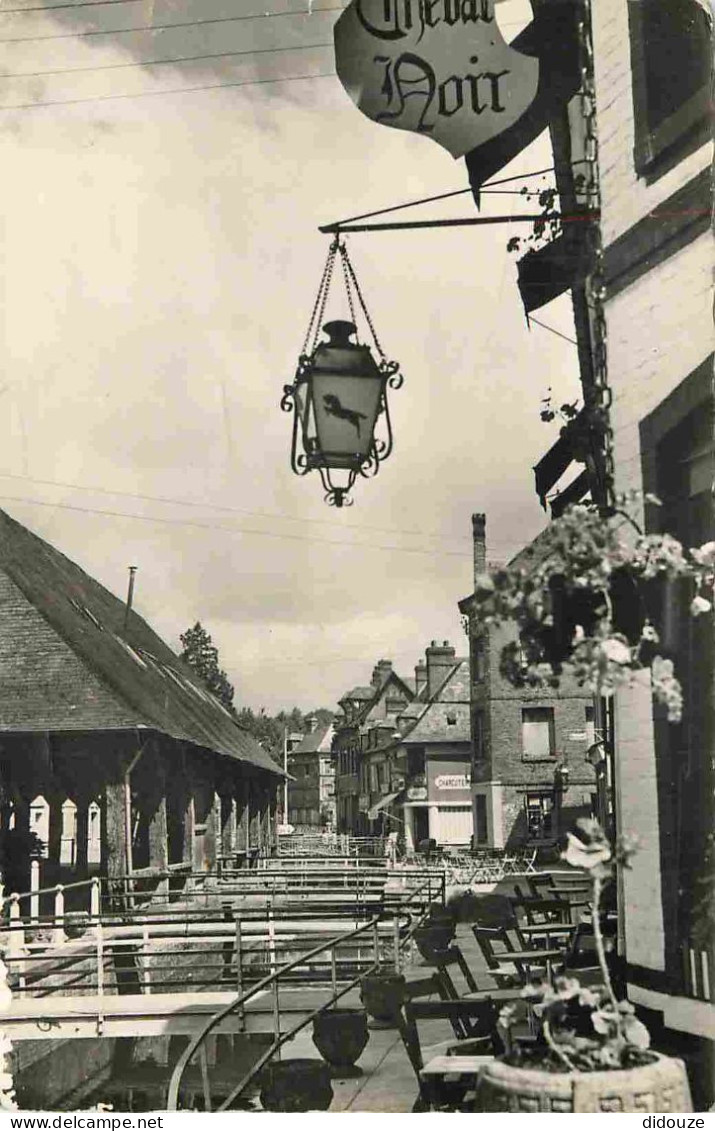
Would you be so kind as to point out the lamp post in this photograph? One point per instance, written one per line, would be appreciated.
(338, 396)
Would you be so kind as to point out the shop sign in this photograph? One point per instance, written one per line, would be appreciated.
(417, 793)
(453, 781)
(440, 68)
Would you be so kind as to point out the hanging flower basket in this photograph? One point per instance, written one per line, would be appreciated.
(590, 599)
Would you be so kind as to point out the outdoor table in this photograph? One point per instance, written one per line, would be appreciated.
(546, 930)
(541, 956)
(455, 1065)
(510, 994)
(574, 892)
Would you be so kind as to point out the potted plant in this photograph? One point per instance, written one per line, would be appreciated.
(437, 930)
(340, 1036)
(298, 1084)
(382, 993)
(586, 599)
(590, 1053)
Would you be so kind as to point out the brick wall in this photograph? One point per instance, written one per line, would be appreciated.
(453, 702)
(659, 330)
(625, 198)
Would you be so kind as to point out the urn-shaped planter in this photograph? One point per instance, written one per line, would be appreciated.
(661, 1085)
(382, 995)
(296, 1085)
(432, 937)
(340, 1036)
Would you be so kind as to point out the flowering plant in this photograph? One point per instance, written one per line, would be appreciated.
(582, 599)
(581, 1028)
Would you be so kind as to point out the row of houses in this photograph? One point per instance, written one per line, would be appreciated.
(458, 755)
(114, 758)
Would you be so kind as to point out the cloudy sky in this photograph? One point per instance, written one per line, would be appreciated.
(166, 164)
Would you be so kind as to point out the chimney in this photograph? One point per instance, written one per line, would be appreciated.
(440, 658)
(130, 596)
(312, 724)
(380, 672)
(479, 537)
(420, 676)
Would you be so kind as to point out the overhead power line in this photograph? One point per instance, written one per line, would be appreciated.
(108, 4)
(172, 501)
(170, 90)
(140, 27)
(240, 530)
(162, 62)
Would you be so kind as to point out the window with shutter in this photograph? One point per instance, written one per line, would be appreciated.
(671, 60)
(537, 728)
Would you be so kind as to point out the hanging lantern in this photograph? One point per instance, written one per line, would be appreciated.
(340, 395)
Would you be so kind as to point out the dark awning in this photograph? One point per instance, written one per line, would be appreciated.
(551, 270)
(551, 467)
(572, 494)
(373, 811)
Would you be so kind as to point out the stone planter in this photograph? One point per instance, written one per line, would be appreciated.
(382, 995)
(340, 1036)
(296, 1085)
(660, 1086)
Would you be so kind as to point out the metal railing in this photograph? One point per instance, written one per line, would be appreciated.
(401, 936)
(331, 844)
(11, 907)
(156, 950)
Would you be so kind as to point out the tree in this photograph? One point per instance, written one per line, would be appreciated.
(266, 731)
(322, 714)
(200, 653)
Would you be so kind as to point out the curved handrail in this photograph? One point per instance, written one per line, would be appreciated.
(407, 916)
(288, 1036)
(264, 983)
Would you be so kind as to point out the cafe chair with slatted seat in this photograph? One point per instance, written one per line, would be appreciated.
(443, 1085)
(449, 960)
(515, 966)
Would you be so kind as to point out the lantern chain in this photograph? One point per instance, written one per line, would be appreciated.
(330, 263)
(348, 288)
(601, 393)
(320, 301)
(351, 272)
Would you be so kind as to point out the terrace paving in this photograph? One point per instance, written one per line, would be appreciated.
(388, 1082)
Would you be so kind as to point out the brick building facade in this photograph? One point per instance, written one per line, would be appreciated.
(403, 753)
(431, 755)
(311, 792)
(531, 778)
(366, 712)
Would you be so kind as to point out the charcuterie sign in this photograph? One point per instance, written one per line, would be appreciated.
(453, 781)
(440, 68)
